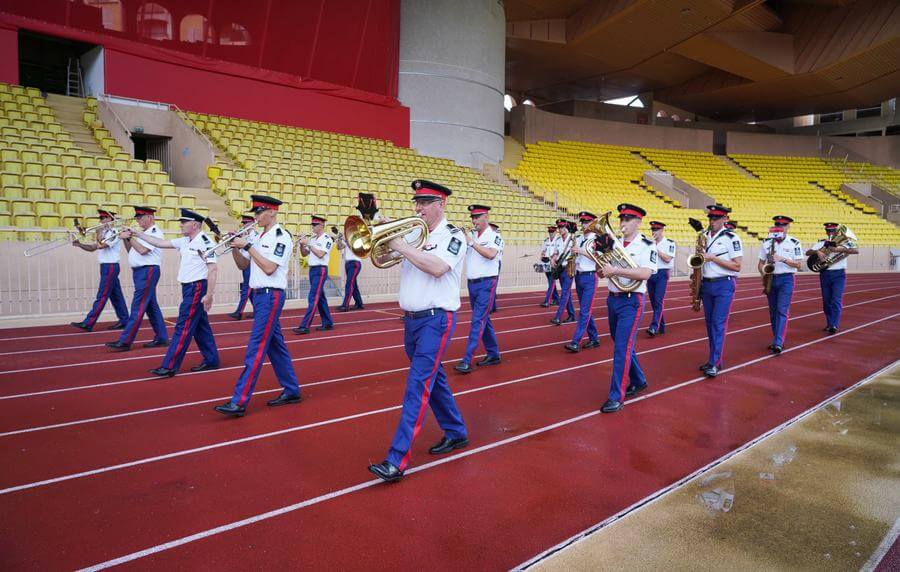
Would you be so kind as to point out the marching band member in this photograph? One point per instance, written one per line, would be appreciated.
(429, 296)
(483, 272)
(547, 251)
(565, 281)
(626, 308)
(107, 246)
(833, 278)
(239, 255)
(270, 256)
(352, 267)
(585, 287)
(496, 230)
(659, 282)
(145, 261)
(317, 248)
(723, 257)
(198, 282)
(787, 256)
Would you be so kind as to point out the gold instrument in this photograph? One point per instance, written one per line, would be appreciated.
(115, 227)
(366, 239)
(72, 235)
(844, 237)
(768, 272)
(565, 261)
(695, 261)
(615, 255)
(223, 247)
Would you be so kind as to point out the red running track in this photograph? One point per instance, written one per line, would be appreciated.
(102, 461)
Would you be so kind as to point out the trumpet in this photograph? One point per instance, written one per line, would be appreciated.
(224, 246)
(78, 232)
(372, 240)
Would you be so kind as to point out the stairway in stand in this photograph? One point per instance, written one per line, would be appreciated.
(69, 111)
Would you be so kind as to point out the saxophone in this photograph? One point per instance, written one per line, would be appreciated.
(614, 255)
(696, 263)
(769, 268)
(565, 262)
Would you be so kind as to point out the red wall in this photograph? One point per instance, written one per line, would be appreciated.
(9, 60)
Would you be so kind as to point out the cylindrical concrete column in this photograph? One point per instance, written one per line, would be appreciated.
(452, 66)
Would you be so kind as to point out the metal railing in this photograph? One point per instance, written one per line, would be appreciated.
(182, 115)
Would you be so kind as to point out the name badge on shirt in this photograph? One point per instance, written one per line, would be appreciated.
(454, 246)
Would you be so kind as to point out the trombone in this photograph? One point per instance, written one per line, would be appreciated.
(224, 246)
(71, 235)
(367, 239)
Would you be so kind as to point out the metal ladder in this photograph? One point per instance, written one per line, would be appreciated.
(74, 85)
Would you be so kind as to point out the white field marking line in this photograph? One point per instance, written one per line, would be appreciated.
(305, 358)
(315, 339)
(449, 459)
(325, 422)
(663, 492)
(883, 548)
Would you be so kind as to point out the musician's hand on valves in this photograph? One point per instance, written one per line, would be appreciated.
(239, 242)
(609, 270)
(304, 241)
(576, 250)
(470, 238)
(126, 233)
(707, 257)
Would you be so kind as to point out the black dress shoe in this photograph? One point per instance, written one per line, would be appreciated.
(386, 472)
(555, 322)
(545, 305)
(777, 349)
(705, 366)
(770, 347)
(489, 360)
(554, 303)
(343, 309)
(80, 326)
(116, 326)
(463, 367)
(204, 367)
(324, 327)
(301, 330)
(611, 406)
(588, 344)
(445, 445)
(284, 399)
(569, 320)
(633, 390)
(651, 332)
(157, 344)
(572, 347)
(359, 308)
(118, 346)
(831, 330)
(163, 372)
(229, 408)
(235, 315)
(711, 371)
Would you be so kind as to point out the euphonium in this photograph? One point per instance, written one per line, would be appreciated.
(372, 240)
(616, 255)
(696, 263)
(842, 237)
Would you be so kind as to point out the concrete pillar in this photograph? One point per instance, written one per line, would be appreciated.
(452, 68)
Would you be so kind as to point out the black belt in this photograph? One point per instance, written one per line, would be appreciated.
(623, 294)
(424, 313)
(266, 290)
(580, 272)
(720, 278)
(482, 279)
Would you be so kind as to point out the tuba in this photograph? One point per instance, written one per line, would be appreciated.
(614, 255)
(842, 237)
(367, 239)
(695, 261)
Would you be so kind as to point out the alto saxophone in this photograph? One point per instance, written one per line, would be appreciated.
(696, 263)
(769, 268)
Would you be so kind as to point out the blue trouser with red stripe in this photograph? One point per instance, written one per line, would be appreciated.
(565, 296)
(552, 294)
(266, 339)
(499, 269)
(717, 297)
(425, 340)
(245, 291)
(586, 288)
(193, 322)
(316, 299)
(656, 291)
(351, 288)
(780, 305)
(109, 289)
(832, 283)
(624, 318)
(145, 281)
(482, 293)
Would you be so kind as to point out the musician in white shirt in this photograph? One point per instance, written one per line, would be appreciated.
(108, 247)
(833, 279)
(317, 247)
(659, 282)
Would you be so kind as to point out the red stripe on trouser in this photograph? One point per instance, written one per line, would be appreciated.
(187, 323)
(315, 303)
(141, 307)
(490, 303)
(725, 328)
(426, 392)
(92, 319)
(787, 315)
(257, 361)
(352, 283)
(630, 345)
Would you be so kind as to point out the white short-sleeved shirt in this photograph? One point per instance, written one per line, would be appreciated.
(277, 245)
(421, 291)
(556, 246)
(643, 251)
(788, 248)
(110, 254)
(502, 245)
(840, 264)
(153, 257)
(668, 247)
(251, 237)
(583, 262)
(193, 266)
(322, 242)
(724, 244)
(348, 254)
(477, 266)
(548, 247)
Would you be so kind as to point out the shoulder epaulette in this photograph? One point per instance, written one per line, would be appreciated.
(205, 238)
(647, 240)
(728, 233)
(795, 240)
(278, 231)
(452, 228)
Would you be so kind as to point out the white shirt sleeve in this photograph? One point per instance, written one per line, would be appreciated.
(451, 248)
(764, 249)
(735, 246)
(280, 253)
(648, 258)
(180, 242)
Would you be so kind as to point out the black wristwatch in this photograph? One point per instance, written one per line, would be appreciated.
(247, 247)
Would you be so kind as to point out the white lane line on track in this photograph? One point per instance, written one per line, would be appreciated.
(313, 357)
(450, 459)
(157, 356)
(333, 421)
(310, 384)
